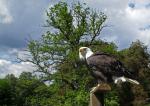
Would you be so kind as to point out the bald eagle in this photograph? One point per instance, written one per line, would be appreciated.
(104, 67)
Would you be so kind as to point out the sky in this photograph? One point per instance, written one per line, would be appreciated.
(22, 20)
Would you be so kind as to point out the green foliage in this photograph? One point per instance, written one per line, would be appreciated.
(137, 56)
(5, 93)
(112, 98)
(136, 59)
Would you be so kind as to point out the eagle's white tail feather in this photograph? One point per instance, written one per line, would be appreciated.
(132, 81)
(124, 79)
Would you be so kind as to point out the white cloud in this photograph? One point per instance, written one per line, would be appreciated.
(5, 16)
(9, 63)
(8, 67)
(144, 36)
(126, 22)
(3, 62)
(140, 16)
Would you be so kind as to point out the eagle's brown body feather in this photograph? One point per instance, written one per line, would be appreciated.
(105, 67)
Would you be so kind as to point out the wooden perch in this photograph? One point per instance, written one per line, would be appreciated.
(97, 94)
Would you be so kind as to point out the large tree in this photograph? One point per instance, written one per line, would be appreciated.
(56, 54)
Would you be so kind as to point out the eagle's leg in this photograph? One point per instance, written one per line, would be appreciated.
(100, 78)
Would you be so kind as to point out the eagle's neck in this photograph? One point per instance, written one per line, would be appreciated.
(89, 53)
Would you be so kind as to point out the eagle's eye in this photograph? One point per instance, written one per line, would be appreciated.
(80, 50)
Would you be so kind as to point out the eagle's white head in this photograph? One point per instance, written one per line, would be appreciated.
(84, 53)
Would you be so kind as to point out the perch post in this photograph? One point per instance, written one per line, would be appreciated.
(97, 95)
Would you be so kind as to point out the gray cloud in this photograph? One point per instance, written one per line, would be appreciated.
(28, 17)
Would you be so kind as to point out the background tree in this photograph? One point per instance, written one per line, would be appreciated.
(56, 54)
(136, 59)
(6, 97)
